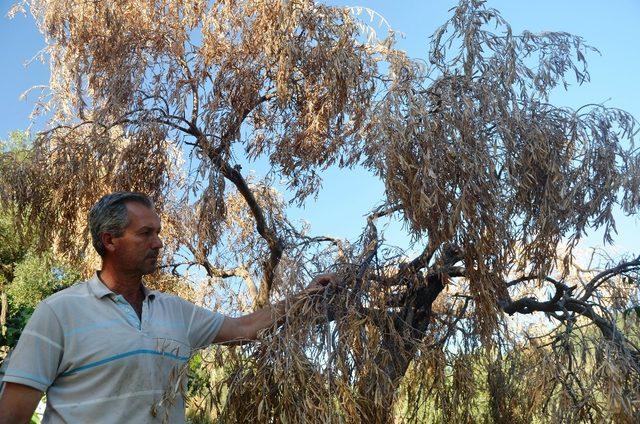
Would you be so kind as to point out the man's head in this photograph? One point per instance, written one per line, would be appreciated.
(124, 230)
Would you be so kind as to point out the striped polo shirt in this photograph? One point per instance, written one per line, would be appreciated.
(97, 362)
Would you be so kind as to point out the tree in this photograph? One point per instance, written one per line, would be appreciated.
(494, 182)
(27, 275)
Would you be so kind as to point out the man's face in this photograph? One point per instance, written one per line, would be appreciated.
(136, 251)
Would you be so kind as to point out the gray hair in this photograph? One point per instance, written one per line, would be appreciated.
(109, 215)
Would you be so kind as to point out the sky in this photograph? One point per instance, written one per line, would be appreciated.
(347, 195)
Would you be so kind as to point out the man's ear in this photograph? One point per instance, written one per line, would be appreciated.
(108, 241)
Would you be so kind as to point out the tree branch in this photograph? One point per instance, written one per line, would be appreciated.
(607, 274)
(239, 271)
(276, 246)
(527, 305)
(562, 302)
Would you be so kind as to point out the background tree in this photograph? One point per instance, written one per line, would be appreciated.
(27, 275)
(496, 185)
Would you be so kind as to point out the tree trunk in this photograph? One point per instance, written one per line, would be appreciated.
(378, 390)
(4, 310)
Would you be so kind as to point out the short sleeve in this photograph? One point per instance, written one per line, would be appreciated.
(35, 360)
(203, 325)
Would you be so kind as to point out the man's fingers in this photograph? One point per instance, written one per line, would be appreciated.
(325, 279)
(321, 281)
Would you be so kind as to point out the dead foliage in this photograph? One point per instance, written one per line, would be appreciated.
(496, 185)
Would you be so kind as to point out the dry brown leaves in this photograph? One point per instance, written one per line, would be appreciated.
(161, 96)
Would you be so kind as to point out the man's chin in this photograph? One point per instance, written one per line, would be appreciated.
(149, 271)
(149, 268)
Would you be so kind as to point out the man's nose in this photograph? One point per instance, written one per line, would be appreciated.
(157, 242)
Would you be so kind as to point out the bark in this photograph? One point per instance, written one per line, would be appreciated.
(378, 394)
(4, 309)
(275, 244)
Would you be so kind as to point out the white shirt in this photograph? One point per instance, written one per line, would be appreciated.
(98, 364)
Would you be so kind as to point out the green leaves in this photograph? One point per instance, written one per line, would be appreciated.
(629, 311)
(37, 277)
(27, 275)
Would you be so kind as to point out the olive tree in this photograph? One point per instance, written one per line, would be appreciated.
(494, 184)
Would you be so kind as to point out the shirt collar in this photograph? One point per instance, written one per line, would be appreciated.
(148, 294)
(100, 290)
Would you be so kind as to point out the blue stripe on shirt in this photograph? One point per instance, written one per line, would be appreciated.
(124, 355)
(96, 326)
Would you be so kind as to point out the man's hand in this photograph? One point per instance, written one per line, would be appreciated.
(321, 281)
(235, 331)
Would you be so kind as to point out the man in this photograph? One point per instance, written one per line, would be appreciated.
(106, 350)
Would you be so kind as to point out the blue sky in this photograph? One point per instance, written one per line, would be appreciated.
(612, 27)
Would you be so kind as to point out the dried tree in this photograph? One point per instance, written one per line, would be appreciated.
(494, 182)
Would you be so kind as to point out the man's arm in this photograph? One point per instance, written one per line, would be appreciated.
(17, 403)
(239, 330)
